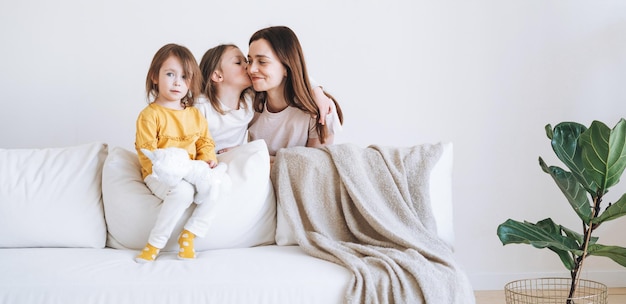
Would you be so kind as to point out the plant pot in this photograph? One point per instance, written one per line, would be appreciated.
(554, 291)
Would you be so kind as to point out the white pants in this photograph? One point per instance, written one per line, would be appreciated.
(175, 201)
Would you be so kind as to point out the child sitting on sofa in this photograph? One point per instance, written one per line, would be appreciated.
(170, 120)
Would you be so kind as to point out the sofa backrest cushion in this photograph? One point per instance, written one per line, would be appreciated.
(244, 217)
(440, 198)
(52, 197)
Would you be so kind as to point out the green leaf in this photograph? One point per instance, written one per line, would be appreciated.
(577, 236)
(566, 258)
(616, 210)
(544, 234)
(549, 132)
(615, 253)
(564, 142)
(571, 188)
(604, 153)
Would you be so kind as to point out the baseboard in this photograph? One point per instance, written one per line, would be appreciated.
(496, 281)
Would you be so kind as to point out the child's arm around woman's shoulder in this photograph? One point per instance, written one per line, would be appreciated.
(334, 120)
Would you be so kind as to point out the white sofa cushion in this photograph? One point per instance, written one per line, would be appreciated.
(263, 274)
(244, 217)
(52, 197)
(440, 197)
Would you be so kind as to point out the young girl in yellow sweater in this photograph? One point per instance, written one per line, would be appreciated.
(170, 120)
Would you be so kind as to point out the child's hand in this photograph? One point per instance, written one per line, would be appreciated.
(225, 150)
(212, 163)
(323, 103)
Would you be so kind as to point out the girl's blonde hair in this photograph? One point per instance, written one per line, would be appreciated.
(286, 46)
(210, 63)
(190, 68)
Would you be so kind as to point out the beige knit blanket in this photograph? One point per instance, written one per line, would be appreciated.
(368, 209)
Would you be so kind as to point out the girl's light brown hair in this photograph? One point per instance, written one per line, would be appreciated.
(210, 63)
(190, 68)
(286, 46)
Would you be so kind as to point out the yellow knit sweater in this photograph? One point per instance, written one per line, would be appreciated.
(160, 127)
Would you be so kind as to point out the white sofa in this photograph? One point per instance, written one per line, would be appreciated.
(73, 218)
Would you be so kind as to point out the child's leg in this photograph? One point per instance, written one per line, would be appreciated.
(197, 225)
(201, 218)
(148, 254)
(174, 205)
(185, 242)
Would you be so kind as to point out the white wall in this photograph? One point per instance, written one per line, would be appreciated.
(485, 75)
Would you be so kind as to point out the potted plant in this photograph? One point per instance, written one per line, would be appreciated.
(596, 158)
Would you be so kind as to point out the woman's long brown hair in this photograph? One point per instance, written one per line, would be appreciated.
(298, 90)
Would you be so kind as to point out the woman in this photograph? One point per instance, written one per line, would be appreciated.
(286, 113)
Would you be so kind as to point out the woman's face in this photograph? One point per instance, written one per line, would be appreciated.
(233, 66)
(265, 69)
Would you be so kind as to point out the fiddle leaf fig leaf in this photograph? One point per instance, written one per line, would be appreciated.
(615, 210)
(538, 235)
(573, 191)
(566, 258)
(564, 139)
(615, 253)
(549, 131)
(577, 236)
(544, 234)
(604, 153)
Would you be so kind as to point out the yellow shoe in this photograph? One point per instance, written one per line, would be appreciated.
(185, 242)
(148, 254)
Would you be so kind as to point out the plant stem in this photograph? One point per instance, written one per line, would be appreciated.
(575, 274)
